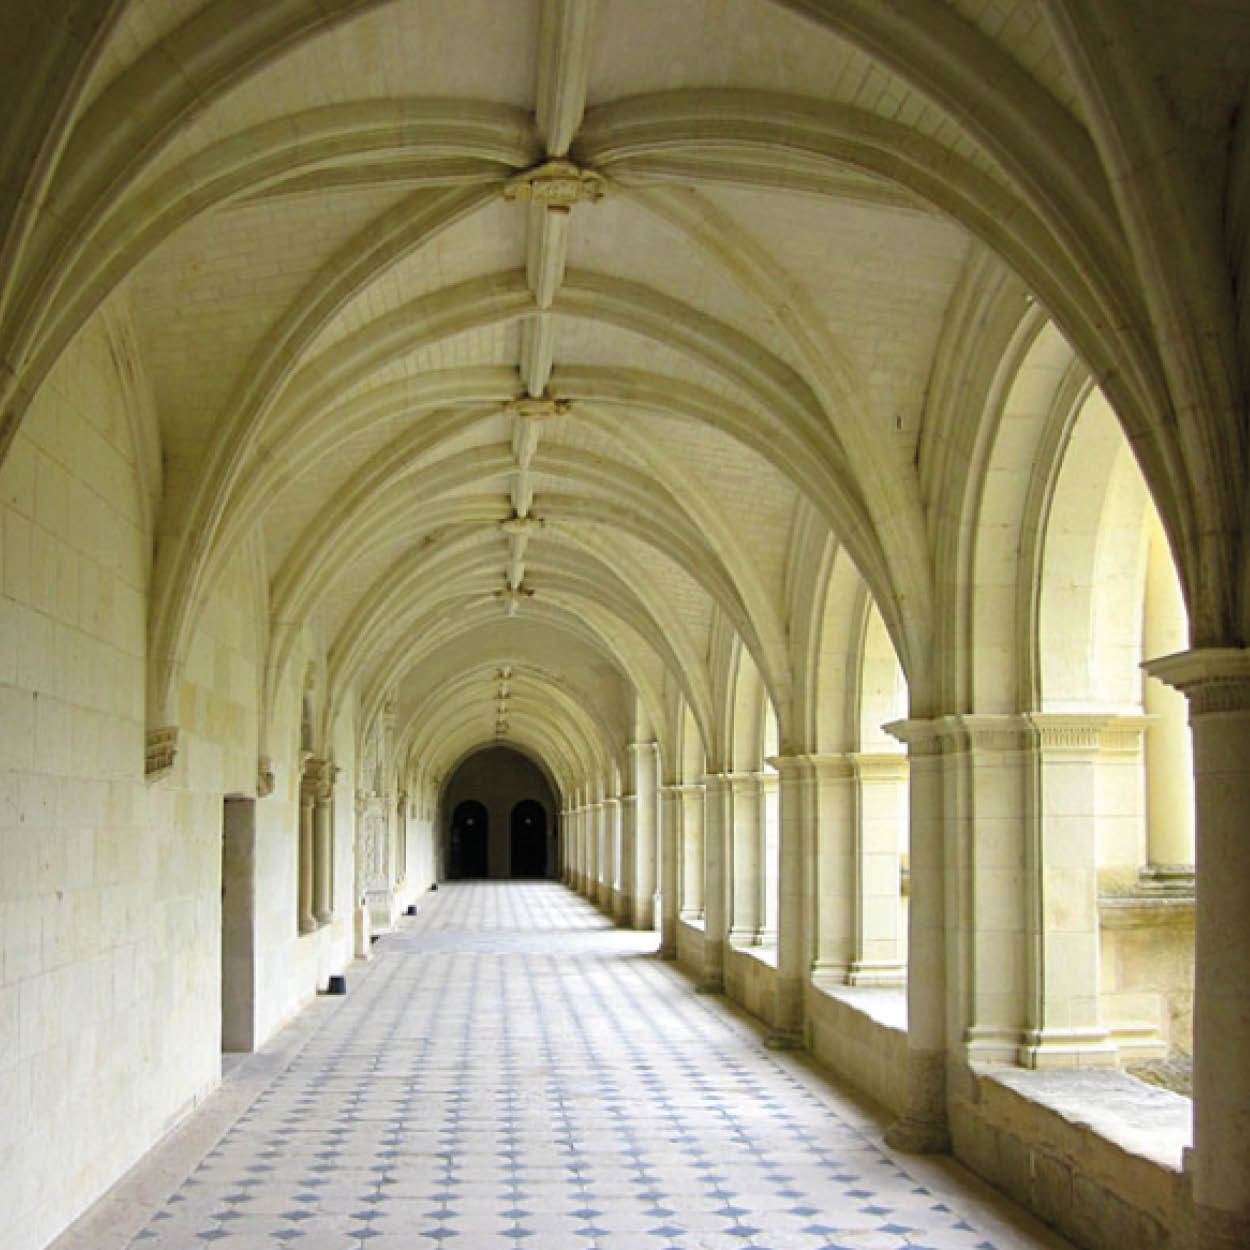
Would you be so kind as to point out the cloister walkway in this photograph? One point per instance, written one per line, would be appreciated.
(511, 1071)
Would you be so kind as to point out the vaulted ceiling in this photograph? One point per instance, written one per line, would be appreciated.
(545, 334)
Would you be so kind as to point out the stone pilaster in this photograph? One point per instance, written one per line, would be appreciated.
(796, 888)
(645, 764)
(627, 848)
(1217, 683)
(593, 816)
(609, 853)
(670, 851)
(307, 849)
(924, 1126)
(717, 829)
(1064, 1026)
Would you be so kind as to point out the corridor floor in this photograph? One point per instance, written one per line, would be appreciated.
(510, 1071)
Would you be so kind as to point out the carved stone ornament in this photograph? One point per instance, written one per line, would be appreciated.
(521, 526)
(536, 407)
(160, 751)
(555, 184)
(264, 777)
(512, 597)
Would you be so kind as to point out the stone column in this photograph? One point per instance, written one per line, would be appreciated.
(567, 851)
(717, 827)
(1217, 683)
(401, 836)
(321, 782)
(645, 763)
(307, 851)
(744, 868)
(1064, 1024)
(609, 861)
(626, 853)
(585, 851)
(670, 849)
(594, 844)
(880, 807)
(924, 1127)
(796, 889)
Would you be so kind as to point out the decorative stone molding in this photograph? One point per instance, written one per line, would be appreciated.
(512, 597)
(317, 780)
(953, 735)
(160, 751)
(522, 526)
(1214, 679)
(678, 788)
(1087, 734)
(536, 407)
(838, 767)
(265, 780)
(1171, 880)
(880, 766)
(557, 184)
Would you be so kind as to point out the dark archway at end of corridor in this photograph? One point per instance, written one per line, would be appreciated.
(468, 853)
(514, 807)
(529, 839)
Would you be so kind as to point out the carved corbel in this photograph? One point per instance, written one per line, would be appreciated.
(265, 780)
(160, 751)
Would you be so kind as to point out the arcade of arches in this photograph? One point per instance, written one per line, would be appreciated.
(810, 435)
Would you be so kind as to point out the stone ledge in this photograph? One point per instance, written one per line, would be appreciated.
(1141, 1119)
(767, 955)
(1096, 1154)
(884, 1005)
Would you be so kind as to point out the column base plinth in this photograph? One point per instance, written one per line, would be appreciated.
(1221, 1230)
(786, 1039)
(919, 1137)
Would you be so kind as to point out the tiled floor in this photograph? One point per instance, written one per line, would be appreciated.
(511, 1072)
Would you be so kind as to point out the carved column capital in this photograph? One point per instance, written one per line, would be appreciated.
(1214, 679)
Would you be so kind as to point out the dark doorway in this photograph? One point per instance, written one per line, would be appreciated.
(529, 839)
(470, 831)
(238, 908)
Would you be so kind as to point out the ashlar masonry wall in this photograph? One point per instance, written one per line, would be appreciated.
(107, 884)
(110, 884)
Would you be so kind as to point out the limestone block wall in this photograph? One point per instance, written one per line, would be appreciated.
(1081, 1163)
(690, 948)
(862, 1035)
(1147, 966)
(108, 886)
(751, 982)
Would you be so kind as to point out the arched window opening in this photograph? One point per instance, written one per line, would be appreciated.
(882, 834)
(1116, 802)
